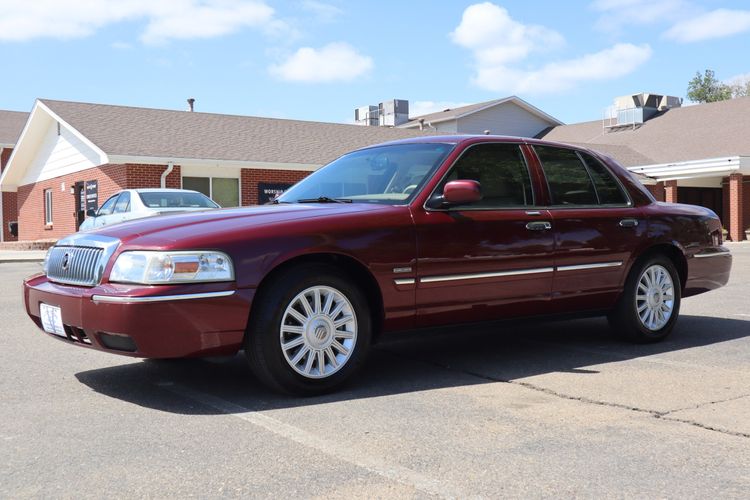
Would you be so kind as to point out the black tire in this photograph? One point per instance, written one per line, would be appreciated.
(625, 320)
(263, 339)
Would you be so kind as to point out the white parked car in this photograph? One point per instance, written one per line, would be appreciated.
(132, 204)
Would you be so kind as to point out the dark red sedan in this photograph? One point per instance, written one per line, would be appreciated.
(404, 235)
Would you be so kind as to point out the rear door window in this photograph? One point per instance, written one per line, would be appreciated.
(567, 177)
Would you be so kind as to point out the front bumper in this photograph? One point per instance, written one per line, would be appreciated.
(148, 321)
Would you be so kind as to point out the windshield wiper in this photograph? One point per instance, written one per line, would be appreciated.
(324, 199)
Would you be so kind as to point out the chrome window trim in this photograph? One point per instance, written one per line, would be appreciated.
(112, 299)
(474, 276)
(597, 265)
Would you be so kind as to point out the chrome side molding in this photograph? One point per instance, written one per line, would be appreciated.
(720, 253)
(456, 277)
(114, 299)
(597, 265)
(404, 281)
(515, 272)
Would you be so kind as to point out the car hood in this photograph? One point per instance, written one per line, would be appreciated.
(204, 227)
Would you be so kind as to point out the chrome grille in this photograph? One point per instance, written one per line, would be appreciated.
(75, 265)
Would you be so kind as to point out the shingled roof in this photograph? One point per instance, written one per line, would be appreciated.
(11, 125)
(703, 131)
(461, 111)
(146, 132)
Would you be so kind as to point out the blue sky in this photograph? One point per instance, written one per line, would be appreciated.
(319, 59)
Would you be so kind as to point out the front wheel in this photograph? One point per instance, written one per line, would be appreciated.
(650, 302)
(309, 331)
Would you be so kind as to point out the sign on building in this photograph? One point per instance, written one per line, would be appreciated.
(267, 191)
(92, 195)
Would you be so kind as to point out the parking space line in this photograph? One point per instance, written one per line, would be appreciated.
(357, 457)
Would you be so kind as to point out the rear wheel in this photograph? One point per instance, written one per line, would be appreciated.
(650, 303)
(309, 331)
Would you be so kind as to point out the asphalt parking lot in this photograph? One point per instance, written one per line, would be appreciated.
(542, 410)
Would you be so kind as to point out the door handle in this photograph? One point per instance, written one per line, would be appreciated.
(541, 225)
(628, 223)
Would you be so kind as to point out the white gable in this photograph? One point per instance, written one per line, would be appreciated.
(59, 154)
(48, 148)
(504, 119)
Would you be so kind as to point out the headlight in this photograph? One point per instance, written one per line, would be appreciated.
(158, 268)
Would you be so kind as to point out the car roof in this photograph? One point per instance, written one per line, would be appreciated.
(474, 138)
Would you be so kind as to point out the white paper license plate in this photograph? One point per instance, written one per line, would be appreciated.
(52, 319)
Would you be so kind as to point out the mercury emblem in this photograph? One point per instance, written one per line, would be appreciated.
(65, 261)
(320, 332)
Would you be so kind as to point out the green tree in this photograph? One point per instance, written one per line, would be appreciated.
(707, 88)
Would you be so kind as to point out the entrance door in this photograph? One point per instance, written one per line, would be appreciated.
(492, 258)
(703, 196)
(80, 197)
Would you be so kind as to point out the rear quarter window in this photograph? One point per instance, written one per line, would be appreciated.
(608, 189)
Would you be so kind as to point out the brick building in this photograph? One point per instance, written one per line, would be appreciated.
(694, 154)
(69, 148)
(11, 124)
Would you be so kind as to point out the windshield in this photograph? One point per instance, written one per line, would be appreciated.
(176, 199)
(385, 174)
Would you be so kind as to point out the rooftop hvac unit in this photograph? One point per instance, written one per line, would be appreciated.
(366, 115)
(393, 113)
(632, 110)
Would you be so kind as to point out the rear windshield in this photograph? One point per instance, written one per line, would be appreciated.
(175, 199)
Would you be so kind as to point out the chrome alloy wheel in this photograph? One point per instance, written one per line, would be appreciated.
(318, 332)
(654, 299)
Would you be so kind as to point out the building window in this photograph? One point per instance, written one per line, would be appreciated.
(223, 190)
(48, 207)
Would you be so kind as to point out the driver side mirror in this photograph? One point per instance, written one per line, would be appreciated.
(462, 192)
(90, 212)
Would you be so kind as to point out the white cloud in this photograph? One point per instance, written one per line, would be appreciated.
(495, 38)
(208, 19)
(717, 23)
(333, 62)
(165, 19)
(322, 11)
(419, 108)
(616, 14)
(608, 64)
(500, 46)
